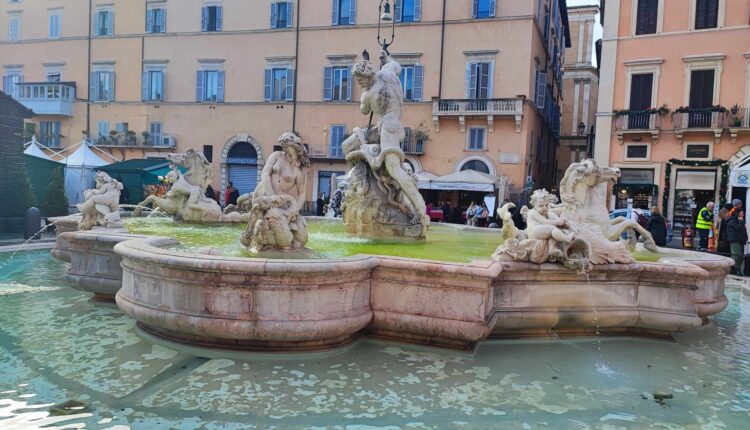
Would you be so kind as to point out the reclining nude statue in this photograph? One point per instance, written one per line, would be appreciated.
(275, 221)
(101, 205)
(577, 233)
(383, 199)
(186, 200)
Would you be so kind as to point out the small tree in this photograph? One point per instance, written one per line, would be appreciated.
(55, 202)
(21, 197)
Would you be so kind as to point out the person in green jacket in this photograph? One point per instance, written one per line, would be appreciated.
(704, 223)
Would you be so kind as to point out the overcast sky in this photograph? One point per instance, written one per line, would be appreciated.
(597, 26)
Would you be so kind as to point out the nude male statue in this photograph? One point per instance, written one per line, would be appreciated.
(382, 94)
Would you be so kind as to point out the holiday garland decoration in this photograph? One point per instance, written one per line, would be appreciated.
(723, 185)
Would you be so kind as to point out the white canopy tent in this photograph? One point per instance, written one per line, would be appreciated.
(465, 180)
(79, 171)
(34, 149)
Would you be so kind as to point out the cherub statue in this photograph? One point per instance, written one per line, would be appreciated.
(101, 205)
(543, 223)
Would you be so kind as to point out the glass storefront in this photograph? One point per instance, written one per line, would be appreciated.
(693, 189)
(636, 184)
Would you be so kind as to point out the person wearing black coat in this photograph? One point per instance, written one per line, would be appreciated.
(657, 226)
(737, 237)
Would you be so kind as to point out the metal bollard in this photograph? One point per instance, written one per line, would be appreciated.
(32, 224)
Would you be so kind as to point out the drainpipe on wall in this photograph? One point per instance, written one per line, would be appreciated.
(442, 51)
(296, 68)
(88, 77)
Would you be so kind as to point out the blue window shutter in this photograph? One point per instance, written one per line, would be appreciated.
(160, 88)
(93, 86)
(111, 23)
(112, 86)
(490, 79)
(328, 83)
(348, 75)
(472, 94)
(541, 83)
(268, 81)
(144, 86)
(163, 23)
(204, 18)
(96, 24)
(417, 84)
(219, 16)
(274, 11)
(220, 87)
(335, 12)
(353, 13)
(492, 7)
(199, 86)
(6, 84)
(149, 20)
(289, 14)
(474, 6)
(289, 84)
(397, 10)
(417, 10)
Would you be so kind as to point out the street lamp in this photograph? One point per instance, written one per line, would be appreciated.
(581, 128)
(384, 13)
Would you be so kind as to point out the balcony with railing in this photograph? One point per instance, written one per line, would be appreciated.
(636, 123)
(412, 146)
(47, 98)
(738, 122)
(132, 140)
(325, 152)
(489, 108)
(699, 121)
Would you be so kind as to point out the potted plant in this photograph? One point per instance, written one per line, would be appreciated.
(663, 110)
(146, 137)
(421, 136)
(130, 137)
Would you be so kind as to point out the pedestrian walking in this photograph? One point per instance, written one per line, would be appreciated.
(471, 215)
(722, 246)
(737, 235)
(336, 200)
(482, 215)
(657, 226)
(320, 204)
(703, 224)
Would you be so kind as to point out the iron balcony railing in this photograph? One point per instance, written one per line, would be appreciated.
(638, 121)
(477, 106)
(413, 146)
(699, 118)
(47, 98)
(326, 152)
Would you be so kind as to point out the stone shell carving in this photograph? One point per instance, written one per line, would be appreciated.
(101, 205)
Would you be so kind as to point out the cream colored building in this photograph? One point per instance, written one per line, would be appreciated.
(229, 76)
(580, 88)
(693, 58)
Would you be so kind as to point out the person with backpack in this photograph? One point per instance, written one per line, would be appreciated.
(657, 226)
(638, 216)
(703, 224)
(482, 215)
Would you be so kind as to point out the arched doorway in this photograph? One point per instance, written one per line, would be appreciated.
(242, 167)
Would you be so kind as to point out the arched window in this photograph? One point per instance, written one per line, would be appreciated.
(477, 165)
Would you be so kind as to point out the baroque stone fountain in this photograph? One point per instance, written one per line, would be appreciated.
(569, 273)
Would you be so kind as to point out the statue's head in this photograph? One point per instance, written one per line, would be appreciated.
(407, 168)
(102, 178)
(292, 145)
(541, 199)
(364, 73)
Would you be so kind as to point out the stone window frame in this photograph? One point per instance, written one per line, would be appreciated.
(637, 67)
(478, 157)
(483, 56)
(156, 66)
(55, 11)
(468, 138)
(52, 68)
(644, 143)
(659, 19)
(15, 15)
(720, 19)
(108, 7)
(701, 143)
(703, 62)
(157, 4)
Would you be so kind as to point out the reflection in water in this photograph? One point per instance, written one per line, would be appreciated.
(56, 346)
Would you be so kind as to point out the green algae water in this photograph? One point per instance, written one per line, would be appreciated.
(329, 240)
(449, 243)
(57, 346)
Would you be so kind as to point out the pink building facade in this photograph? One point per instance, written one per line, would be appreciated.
(673, 112)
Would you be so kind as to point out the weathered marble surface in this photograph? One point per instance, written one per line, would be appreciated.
(186, 200)
(382, 199)
(275, 222)
(101, 205)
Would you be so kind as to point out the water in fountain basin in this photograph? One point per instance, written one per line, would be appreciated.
(56, 345)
